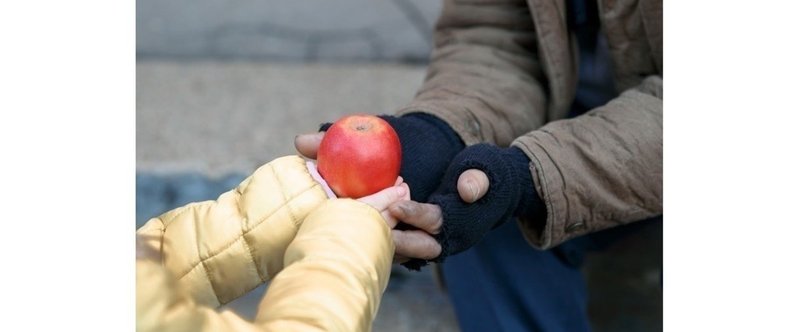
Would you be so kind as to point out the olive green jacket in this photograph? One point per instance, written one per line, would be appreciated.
(505, 72)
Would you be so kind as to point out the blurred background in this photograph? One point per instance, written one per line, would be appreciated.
(224, 86)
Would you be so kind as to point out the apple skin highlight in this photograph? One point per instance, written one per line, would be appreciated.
(359, 156)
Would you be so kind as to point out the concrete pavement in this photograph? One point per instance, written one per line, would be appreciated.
(221, 117)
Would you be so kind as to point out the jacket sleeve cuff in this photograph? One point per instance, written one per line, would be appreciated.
(547, 181)
(220, 250)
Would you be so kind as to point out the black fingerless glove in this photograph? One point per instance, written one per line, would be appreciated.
(428, 145)
(511, 193)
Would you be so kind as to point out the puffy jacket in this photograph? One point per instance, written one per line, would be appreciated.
(328, 259)
(505, 72)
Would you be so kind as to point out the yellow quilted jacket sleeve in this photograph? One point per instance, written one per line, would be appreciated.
(194, 258)
(337, 270)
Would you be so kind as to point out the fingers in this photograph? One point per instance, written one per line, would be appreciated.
(415, 244)
(472, 185)
(382, 199)
(308, 144)
(427, 217)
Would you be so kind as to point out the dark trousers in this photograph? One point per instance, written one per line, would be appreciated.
(504, 284)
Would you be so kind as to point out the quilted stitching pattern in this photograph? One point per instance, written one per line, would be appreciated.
(246, 229)
(338, 265)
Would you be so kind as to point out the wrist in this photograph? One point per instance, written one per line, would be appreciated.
(453, 145)
(422, 128)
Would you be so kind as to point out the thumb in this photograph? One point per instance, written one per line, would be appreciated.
(308, 144)
(472, 185)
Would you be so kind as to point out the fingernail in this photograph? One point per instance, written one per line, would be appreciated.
(473, 189)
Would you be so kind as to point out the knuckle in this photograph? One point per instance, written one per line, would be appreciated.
(434, 220)
(436, 228)
(411, 208)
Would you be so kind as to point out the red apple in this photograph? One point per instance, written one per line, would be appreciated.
(359, 156)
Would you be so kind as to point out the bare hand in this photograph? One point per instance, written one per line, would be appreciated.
(419, 242)
(384, 198)
(427, 218)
